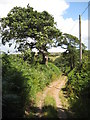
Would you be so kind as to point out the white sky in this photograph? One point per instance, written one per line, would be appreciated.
(57, 8)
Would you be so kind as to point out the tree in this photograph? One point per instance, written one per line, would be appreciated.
(29, 29)
(71, 44)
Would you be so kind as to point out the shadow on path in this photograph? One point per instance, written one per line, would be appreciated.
(46, 112)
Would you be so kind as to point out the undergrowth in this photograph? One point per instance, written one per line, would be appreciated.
(21, 82)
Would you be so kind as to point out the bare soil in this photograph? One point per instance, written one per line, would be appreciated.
(53, 90)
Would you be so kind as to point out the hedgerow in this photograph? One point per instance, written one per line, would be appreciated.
(78, 88)
(21, 82)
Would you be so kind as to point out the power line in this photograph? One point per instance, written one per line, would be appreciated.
(85, 9)
(81, 15)
(73, 26)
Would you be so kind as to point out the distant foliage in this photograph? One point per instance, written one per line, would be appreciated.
(62, 63)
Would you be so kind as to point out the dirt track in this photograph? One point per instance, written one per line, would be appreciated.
(53, 90)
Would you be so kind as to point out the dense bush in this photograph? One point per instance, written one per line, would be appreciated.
(78, 88)
(21, 81)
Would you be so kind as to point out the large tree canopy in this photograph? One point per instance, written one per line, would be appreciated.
(21, 24)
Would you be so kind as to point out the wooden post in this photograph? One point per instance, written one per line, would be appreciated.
(80, 39)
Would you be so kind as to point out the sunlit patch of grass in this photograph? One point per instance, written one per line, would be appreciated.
(49, 109)
(52, 58)
(49, 101)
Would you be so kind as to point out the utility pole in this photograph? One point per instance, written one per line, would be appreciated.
(80, 39)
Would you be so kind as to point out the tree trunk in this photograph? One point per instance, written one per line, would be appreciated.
(71, 64)
(44, 59)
